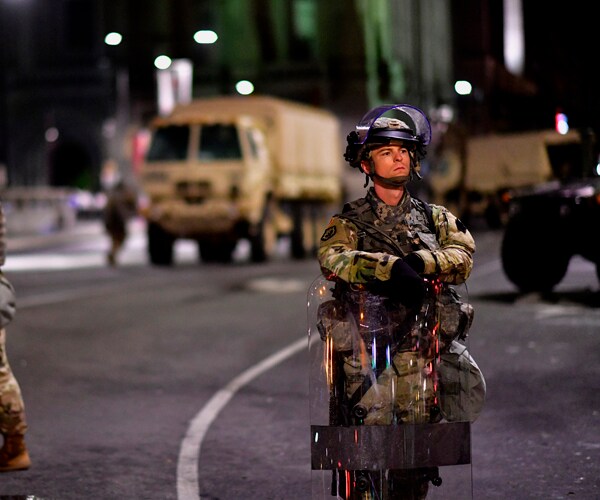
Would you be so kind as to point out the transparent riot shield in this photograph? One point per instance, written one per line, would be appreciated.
(390, 402)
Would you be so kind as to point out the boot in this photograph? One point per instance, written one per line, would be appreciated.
(14, 455)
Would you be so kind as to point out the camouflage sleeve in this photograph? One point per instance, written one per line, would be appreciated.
(339, 257)
(7, 292)
(453, 261)
(2, 236)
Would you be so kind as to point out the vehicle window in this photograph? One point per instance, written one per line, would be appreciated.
(219, 142)
(169, 143)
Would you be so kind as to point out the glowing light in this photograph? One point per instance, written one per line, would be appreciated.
(561, 123)
(463, 87)
(162, 62)
(113, 38)
(514, 38)
(374, 354)
(205, 37)
(51, 134)
(244, 87)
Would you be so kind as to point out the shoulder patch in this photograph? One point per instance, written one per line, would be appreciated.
(329, 232)
(461, 227)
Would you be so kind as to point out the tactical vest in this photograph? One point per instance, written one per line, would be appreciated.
(420, 229)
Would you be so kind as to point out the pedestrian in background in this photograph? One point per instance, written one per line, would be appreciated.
(121, 205)
(13, 454)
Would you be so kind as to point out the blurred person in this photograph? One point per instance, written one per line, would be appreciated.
(13, 425)
(393, 245)
(121, 205)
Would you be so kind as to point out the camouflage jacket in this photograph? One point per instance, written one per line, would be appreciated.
(363, 242)
(7, 292)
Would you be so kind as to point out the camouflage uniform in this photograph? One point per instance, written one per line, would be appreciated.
(350, 254)
(120, 207)
(12, 410)
(448, 254)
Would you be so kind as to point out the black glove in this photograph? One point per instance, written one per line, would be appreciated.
(404, 285)
(414, 261)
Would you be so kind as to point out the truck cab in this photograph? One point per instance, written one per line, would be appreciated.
(225, 169)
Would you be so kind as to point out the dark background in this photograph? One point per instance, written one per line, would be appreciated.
(57, 71)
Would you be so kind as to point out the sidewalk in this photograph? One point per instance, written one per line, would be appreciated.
(80, 230)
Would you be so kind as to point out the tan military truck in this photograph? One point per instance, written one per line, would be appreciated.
(223, 169)
(476, 176)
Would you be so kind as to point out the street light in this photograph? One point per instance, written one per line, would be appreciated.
(205, 37)
(162, 62)
(244, 87)
(463, 87)
(113, 38)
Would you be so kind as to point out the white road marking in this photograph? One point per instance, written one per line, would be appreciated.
(189, 453)
(277, 285)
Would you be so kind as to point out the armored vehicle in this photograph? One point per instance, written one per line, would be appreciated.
(223, 169)
(550, 223)
(474, 176)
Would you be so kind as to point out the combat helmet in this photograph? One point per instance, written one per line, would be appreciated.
(409, 125)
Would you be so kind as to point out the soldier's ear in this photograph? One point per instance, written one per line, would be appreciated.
(365, 167)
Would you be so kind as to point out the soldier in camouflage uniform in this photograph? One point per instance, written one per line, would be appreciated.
(13, 454)
(387, 243)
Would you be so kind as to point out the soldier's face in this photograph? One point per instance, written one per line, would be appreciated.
(392, 160)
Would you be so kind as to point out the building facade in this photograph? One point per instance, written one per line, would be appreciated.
(69, 101)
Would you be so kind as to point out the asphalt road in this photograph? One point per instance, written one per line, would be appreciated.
(191, 382)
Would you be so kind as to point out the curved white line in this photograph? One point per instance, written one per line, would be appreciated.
(189, 453)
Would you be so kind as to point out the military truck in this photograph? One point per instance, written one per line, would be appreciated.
(551, 222)
(474, 176)
(225, 169)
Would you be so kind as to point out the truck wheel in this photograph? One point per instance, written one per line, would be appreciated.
(309, 224)
(264, 242)
(300, 239)
(532, 258)
(160, 245)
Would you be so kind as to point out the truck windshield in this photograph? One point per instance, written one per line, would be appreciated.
(169, 143)
(219, 142)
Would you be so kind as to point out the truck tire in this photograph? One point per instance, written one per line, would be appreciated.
(263, 243)
(300, 238)
(533, 259)
(160, 245)
(309, 223)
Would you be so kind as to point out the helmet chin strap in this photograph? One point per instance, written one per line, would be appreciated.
(391, 182)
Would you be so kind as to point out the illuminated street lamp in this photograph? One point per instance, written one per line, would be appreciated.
(113, 38)
(205, 37)
(244, 87)
(162, 62)
(463, 87)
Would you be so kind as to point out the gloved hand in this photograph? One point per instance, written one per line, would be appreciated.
(404, 285)
(414, 261)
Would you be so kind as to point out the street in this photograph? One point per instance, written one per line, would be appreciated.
(191, 382)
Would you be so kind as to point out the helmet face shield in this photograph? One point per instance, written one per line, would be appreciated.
(409, 125)
(412, 116)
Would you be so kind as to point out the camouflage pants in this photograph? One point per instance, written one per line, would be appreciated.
(12, 409)
(404, 391)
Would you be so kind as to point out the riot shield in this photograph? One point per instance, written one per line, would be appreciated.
(390, 402)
